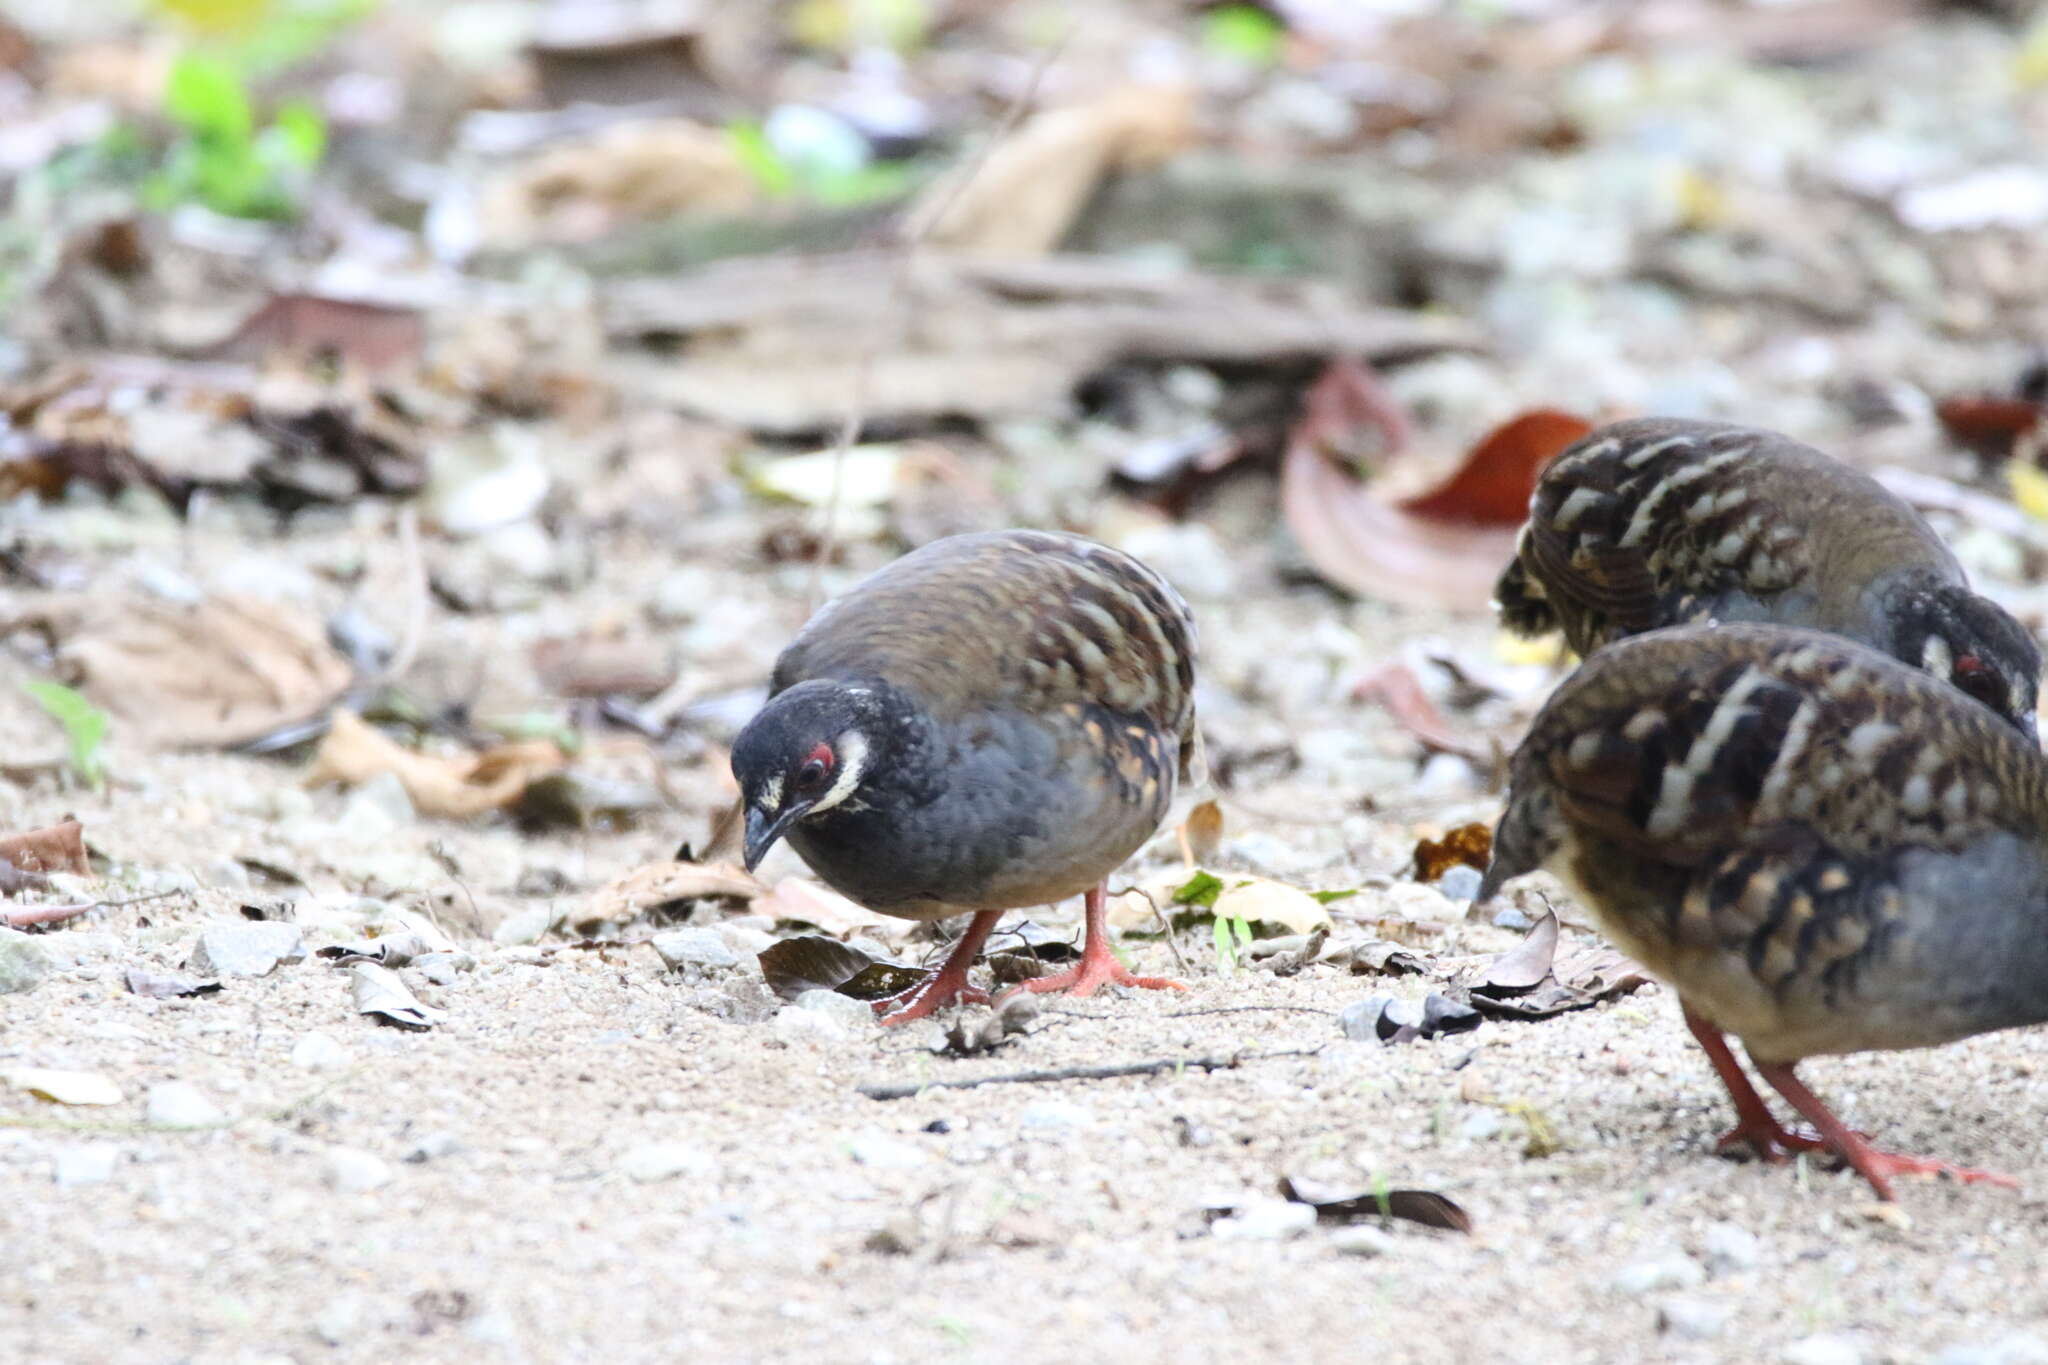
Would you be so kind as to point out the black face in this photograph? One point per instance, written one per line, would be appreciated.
(1978, 647)
(802, 755)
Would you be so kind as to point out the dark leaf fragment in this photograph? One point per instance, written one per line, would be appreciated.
(168, 985)
(816, 963)
(1332, 1205)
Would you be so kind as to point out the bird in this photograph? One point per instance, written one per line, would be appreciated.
(993, 721)
(1660, 521)
(1820, 849)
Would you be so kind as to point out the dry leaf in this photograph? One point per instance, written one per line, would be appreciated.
(54, 848)
(1440, 549)
(65, 1087)
(1399, 692)
(1467, 846)
(168, 986)
(1200, 833)
(1267, 902)
(1341, 1206)
(816, 963)
(453, 787)
(1525, 965)
(581, 188)
(1024, 195)
(380, 993)
(603, 666)
(203, 675)
(1997, 428)
(374, 336)
(670, 885)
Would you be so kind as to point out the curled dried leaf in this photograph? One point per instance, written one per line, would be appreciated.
(671, 888)
(816, 963)
(54, 848)
(1467, 845)
(451, 786)
(1333, 1205)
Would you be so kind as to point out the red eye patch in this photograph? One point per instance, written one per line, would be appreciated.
(823, 754)
(1970, 666)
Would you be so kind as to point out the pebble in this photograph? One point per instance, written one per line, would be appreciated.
(1053, 1116)
(433, 1147)
(872, 1147)
(1460, 883)
(1663, 1269)
(376, 810)
(444, 969)
(23, 962)
(525, 927)
(319, 1052)
(1361, 1240)
(745, 939)
(245, 949)
(854, 1015)
(807, 1026)
(180, 1104)
(1511, 918)
(351, 1170)
(89, 1163)
(2015, 1348)
(1265, 1220)
(695, 950)
(1360, 1019)
(1691, 1319)
(1481, 1124)
(663, 1161)
(338, 1320)
(1730, 1246)
(1824, 1348)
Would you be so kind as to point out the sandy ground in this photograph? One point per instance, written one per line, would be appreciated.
(592, 1158)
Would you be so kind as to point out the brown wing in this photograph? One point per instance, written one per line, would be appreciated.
(1031, 619)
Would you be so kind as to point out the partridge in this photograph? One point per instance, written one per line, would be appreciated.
(994, 721)
(1657, 522)
(1820, 849)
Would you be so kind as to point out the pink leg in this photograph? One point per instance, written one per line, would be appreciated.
(1098, 965)
(1873, 1165)
(1755, 1127)
(949, 982)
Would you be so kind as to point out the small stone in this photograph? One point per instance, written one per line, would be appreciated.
(351, 1170)
(338, 1320)
(245, 949)
(2014, 1348)
(376, 810)
(793, 1025)
(491, 1329)
(695, 950)
(319, 1052)
(1692, 1319)
(872, 1147)
(1054, 1116)
(89, 1163)
(1360, 1020)
(444, 969)
(433, 1147)
(1361, 1240)
(1729, 1247)
(897, 1237)
(664, 1161)
(1511, 918)
(180, 1104)
(1481, 1124)
(1265, 1220)
(1660, 1270)
(855, 1015)
(1824, 1348)
(528, 926)
(745, 939)
(1459, 883)
(23, 962)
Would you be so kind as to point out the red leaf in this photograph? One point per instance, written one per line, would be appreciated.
(1991, 426)
(1492, 487)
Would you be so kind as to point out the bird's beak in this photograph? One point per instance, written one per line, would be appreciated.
(764, 829)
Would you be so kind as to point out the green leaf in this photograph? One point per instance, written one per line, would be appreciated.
(1245, 33)
(762, 161)
(299, 134)
(85, 726)
(1202, 889)
(206, 98)
(1325, 897)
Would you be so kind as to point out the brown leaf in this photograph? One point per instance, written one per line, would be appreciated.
(54, 848)
(1492, 487)
(816, 963)
(451, 786)
(193, 675)
(603, 666)
(580, 188)
(1023, 197)
(623, 54)
(1996, 428)
(1399, 692)
(1525, 965)
(670, 885)
(1467, 845)
(1579, 979)
(1426, 1207)
(374, 336)
(1200, 833)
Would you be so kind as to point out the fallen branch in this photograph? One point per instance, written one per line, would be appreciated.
(30, 915)
(903, 1090)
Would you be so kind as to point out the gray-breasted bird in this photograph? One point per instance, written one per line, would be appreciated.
(1660, 521)
(1820, 849)
(993, 721)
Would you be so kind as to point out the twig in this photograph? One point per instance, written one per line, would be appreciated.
(899, 287)
(417, 594)
(903, 1090)
(57, 914)
(1165, 928)
(1254, 1009)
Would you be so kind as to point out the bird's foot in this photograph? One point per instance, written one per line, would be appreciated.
(929, 996)
(1878, 1167)
(1097, 968)
(1768, 1142)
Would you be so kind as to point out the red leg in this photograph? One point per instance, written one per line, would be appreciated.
(1755, 1127)
(1098, 965)
(949, 982)
(1873, 1165)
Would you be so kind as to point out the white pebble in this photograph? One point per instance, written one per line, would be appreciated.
(351, 1170)
(178, 1104)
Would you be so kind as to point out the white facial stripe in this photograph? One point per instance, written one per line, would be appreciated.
(1937, 658)
(851, 751)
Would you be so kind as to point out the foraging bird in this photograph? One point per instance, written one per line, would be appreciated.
(1658, 522)
(1820, 849)
(993, 721)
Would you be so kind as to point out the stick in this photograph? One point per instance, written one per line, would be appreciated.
(57, 914)
(903, 1090)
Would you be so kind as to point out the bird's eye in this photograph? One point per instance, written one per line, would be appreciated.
(1975, 677)
(815, 769)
